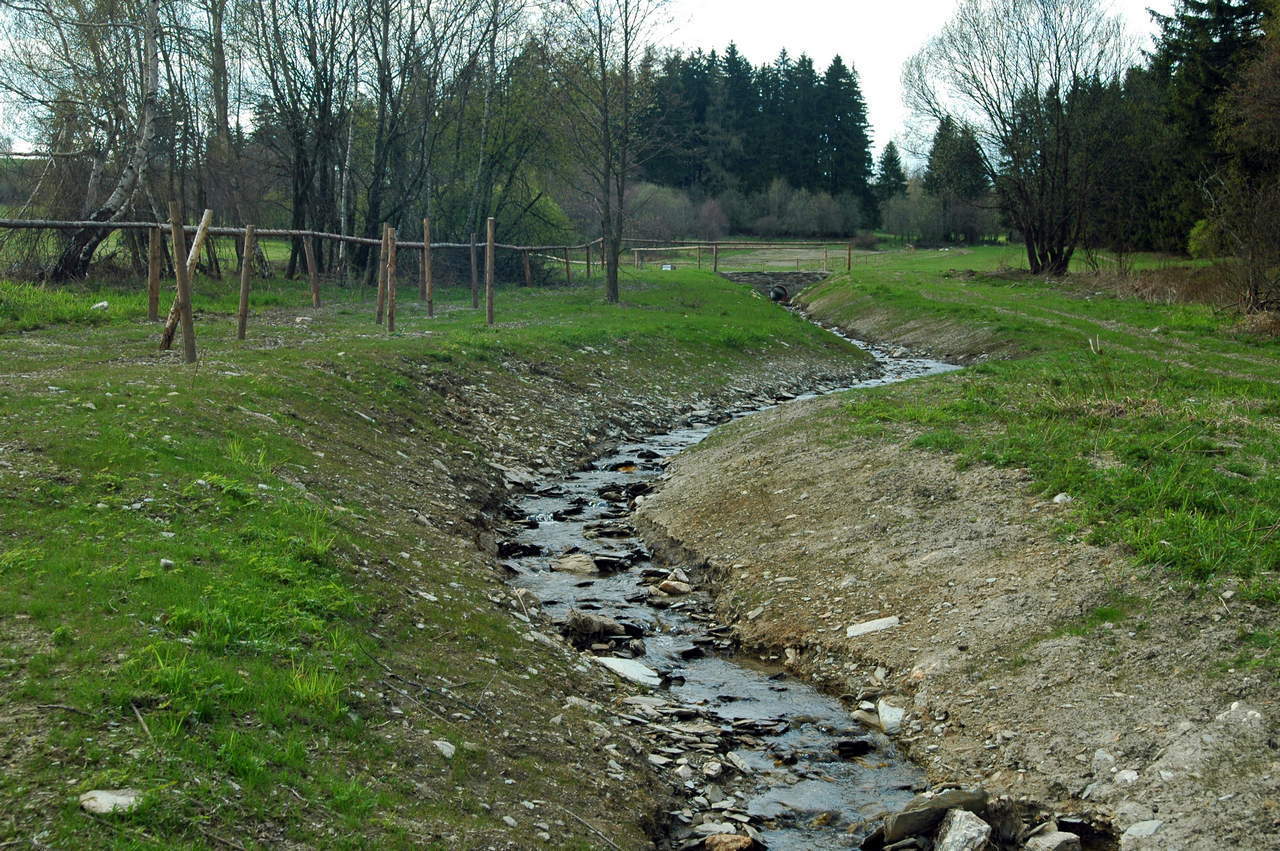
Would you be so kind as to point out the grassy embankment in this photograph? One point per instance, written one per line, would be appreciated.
(213, 589)
(1162, 421)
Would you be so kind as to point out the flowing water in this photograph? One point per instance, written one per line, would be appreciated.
(755, 750)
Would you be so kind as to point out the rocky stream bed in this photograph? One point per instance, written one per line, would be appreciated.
(755, 757)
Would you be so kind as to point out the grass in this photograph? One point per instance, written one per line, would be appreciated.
(1161, 421)
(212, 588)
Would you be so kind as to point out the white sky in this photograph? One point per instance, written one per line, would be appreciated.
(875, 36)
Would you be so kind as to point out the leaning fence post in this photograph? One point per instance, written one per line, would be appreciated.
(175, 314)
(490, 258)
(184, 286)
(246, 273)
(428, 284)
(313, 273)
(391, 280)
(153, 275)
(382, 276)
(475, 276)
(528, 270)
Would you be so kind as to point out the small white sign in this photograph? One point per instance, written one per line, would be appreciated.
(667, 267)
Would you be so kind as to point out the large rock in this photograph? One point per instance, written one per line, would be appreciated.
(925, 811)
(1057, 840)
(577, 563)
(962, 831)
(585, 625)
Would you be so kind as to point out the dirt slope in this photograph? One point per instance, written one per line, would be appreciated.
(1041, 667)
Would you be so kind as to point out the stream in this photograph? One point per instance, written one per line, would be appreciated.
(753, 750)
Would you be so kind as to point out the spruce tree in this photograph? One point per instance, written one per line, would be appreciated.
(891, 179)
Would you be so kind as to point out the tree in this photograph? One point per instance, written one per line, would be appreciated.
(846, 159)
(1245, 197)
(1202, 48)
(891, 180)
(1010, 70)
(598, 52)
(956, 175)
(78, 73)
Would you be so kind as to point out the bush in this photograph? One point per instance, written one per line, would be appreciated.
(1206, 240)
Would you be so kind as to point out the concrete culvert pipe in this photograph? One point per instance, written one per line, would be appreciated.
(779, 294)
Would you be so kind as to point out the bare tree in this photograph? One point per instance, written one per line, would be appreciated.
(599, 48)
(81, 72)
(1020, 73)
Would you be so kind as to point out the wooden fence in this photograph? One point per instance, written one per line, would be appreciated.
(388, 246)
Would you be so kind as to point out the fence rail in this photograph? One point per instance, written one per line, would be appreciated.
(180, 314)
(271, 233)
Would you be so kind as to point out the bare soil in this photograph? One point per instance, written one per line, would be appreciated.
(1043, 668)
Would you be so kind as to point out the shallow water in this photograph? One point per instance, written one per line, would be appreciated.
(790, 779)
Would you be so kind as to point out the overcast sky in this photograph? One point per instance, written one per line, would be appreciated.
(876, 36)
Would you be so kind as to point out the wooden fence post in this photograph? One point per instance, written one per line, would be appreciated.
(588, 260)
(489, 260)
(699, 256)
(184, 285)
(715, 258)
(193, 257)
(382, 276)
(391, 280)
(475, 276)
(568, 270)
(313, 272)
(848, 263)
(528, 270)
(153, 274)
(246, 273)
(428, 284)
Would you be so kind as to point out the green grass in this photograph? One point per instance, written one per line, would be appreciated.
(1160, 420)
(226, 554)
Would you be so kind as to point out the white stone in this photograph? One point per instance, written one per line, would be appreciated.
(872, 626)
(1143, 829)
(106, 801)
(447, 750)
(631, 669)
(890, 717)
(962, 831)
(102, 305)
(1063, 499)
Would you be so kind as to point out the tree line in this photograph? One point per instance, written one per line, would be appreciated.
(566, 120)
(321, 115)
(1050, 128)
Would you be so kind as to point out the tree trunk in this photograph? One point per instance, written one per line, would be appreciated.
(78, 252)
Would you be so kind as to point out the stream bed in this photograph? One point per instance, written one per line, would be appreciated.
(751, 750)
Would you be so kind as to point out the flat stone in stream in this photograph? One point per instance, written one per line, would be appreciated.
(576, 563)
(631, 670)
